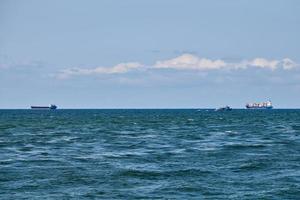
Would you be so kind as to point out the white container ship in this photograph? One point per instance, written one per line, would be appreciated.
(262, 105)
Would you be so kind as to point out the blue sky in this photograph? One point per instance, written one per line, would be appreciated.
(149, 54)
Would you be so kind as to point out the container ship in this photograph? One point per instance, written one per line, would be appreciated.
(262, 105)
(50, 107)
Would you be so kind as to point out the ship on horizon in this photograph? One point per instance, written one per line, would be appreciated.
(262, 105)
(225, 108)
(50, 107)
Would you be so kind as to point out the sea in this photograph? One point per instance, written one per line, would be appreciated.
(149, 154)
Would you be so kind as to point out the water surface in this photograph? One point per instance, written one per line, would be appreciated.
(149, 154)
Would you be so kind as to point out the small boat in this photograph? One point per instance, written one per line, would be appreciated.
(226, 108)
(50, 107)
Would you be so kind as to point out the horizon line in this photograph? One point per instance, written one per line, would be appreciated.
(151, 108)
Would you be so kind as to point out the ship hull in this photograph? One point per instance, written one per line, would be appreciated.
(52, 107)
(259, 108)
(41, 108)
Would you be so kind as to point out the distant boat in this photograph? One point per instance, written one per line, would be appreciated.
(262, 105)
(50, 107)
(226, 108)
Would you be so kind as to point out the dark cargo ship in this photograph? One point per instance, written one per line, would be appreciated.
(50, 107)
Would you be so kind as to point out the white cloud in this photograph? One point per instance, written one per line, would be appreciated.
(264, 63)
(288, 64)
(191, 62)
(184, 62)
(117, 69)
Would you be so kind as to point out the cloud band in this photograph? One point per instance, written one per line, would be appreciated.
(183, 62)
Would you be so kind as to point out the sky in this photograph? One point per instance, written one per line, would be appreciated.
(150, 53)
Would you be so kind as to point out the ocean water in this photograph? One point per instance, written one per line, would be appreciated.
(149, 154)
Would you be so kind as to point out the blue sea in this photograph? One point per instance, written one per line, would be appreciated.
(149, 154)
